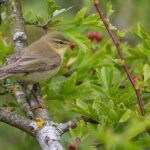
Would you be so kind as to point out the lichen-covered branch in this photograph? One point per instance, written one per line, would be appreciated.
(16, 24)
(73, 123)
(22, 100)
(15, 120)
(48, 134)
(19, 38)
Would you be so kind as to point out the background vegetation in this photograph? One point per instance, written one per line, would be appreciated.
(91, 81)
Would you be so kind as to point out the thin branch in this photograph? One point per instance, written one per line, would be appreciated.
(124, 65)
(22, 100)
(3, 1)
(15, 120)
(73, 123)
(37, 24)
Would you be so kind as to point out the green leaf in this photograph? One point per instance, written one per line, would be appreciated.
(40, 19)
(113, 115)
(51, 6)
(78, 41)
(81, 108)
(126, 116)
(5, 48)
(122, 33)
(69, 84)
(60, 11)
(92, 19)
(139, 31)
(110, 11)
(136, 127)
(146, 70)
(80, 15)
(105, 77)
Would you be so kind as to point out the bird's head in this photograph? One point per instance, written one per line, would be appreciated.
(58, 42)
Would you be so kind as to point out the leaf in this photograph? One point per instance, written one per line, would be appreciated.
(110, 11)
(40, 19)
(121, 33)
(80, 15)
(77, 40)
(92, 19)
(146, 70)
(113, 115)
(5, 48)
(139, 31)
(105, 77)
(57, 12)
(81, 108)
(137, 127)
(51, 6)
(126, 116)
(69, 84)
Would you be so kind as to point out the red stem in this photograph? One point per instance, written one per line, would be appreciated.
(124, 66)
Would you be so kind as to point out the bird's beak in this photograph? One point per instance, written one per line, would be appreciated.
(72, 45)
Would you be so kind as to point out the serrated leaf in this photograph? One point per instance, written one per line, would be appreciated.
(139, 31)
(51, 6)
(69, 84)
(80, 14)
(113, 114)
(40, 19)
(5, 48)
(105, 77)
(126, 116)
(121, 33)
(81, 108)
(57, 12)
(110, 11)
(146, 70)
(80, 43)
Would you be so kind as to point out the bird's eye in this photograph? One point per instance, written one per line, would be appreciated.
(60, 42)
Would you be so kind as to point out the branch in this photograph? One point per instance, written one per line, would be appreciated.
(16, 25)
(19, 38)
(37, 24)
(73, 123)
(22, 100)
(124, 65)
(47, 135)
(15, 120)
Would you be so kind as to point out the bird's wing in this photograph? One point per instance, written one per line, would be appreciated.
(31, 63)
(14, 57)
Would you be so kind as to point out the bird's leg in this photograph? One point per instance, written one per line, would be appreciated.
(38, 95)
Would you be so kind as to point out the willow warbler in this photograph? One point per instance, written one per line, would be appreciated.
(39, 61)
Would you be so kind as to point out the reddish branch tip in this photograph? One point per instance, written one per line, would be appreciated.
(72, 146)
(135, 78)
(143, 75)
(77, 139)
(95, 1)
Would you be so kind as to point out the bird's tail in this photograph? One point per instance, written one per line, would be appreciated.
(3, 74)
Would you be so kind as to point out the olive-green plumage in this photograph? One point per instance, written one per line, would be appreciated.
(39, 61)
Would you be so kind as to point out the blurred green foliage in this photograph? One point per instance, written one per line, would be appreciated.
(91, 81)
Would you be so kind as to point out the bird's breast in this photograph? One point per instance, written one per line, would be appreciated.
(38, 76)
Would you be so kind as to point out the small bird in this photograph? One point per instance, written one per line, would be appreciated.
(39, 61)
